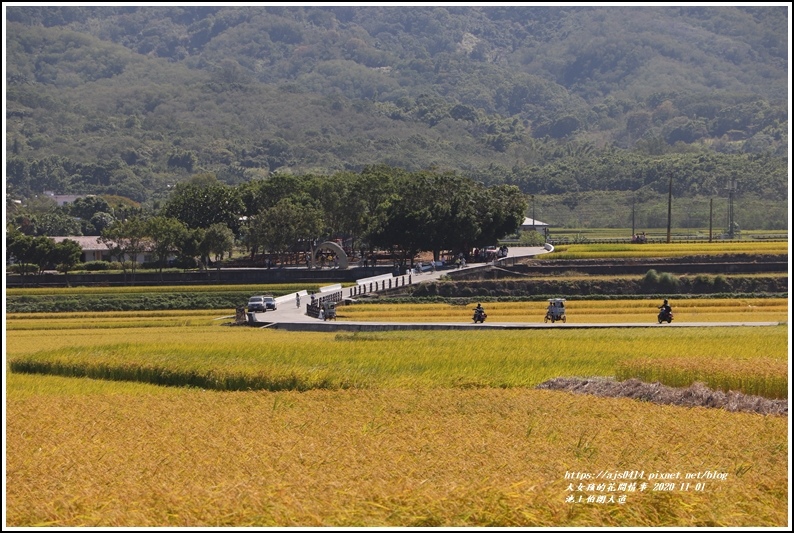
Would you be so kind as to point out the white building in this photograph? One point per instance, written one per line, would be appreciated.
(95, 250)
(532, 224)
(63, 199)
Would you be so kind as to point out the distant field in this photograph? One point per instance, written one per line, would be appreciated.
(677, 234)
(677, 249)
(272, 288)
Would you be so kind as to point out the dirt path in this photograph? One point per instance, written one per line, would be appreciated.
(696, 395)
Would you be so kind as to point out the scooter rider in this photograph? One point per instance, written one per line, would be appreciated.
(479, 310)
(665, 309)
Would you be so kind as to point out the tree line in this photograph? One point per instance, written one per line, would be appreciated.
(381, 208)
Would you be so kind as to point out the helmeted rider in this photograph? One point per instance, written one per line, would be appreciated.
(665, 308)
(479, 309)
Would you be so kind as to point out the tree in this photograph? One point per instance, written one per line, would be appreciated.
(281, 227)
(42, 252)
(201, 206)
(20, 246)
(407, 218)
(166, 235)
(502, 211)
(375, 190)
(101, 220)
(430, 211)
(190, 247)
(66, 255)
(126, 239)
(87, 206)
(451, 203)
(57, 223)
(218, 239)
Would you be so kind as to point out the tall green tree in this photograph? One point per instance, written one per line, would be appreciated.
(280, 228)
(58, 223)
(201, 206)
(407, 219)
(218, 240)
(373, 192)
(450, 200)
(166, 235)
(101, 220)
(190, 247)
(87, 206)
(66, 255)
(500, 213)
(126, 240)
(42, 252)
(20, 247)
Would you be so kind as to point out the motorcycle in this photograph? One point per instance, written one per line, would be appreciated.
(479, 316)
(665, 316)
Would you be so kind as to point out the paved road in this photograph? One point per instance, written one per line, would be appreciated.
(288, 312)
(291, 317)
(301, 322)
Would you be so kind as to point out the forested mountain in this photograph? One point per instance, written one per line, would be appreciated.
(557, 100)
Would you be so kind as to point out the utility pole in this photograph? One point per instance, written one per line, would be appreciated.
(669, 208)
(534, 224)
(633, 233)
(731, 189)
(711, 216)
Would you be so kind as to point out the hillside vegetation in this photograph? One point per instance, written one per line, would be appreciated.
(557, 100)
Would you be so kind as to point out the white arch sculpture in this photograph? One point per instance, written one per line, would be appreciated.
(334, 247)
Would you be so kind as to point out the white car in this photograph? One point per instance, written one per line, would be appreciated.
(270, 302)
(256, 304)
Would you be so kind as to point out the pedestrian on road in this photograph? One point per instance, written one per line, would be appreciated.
(297, 299)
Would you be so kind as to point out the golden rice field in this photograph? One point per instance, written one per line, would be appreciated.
(115, 455)
(114, 320)
(396, 429)
(676, 249)
(759, 376)
(252, 359)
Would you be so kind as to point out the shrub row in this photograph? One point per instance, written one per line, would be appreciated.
(470, 300)
(652, 283)
(126, 302)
